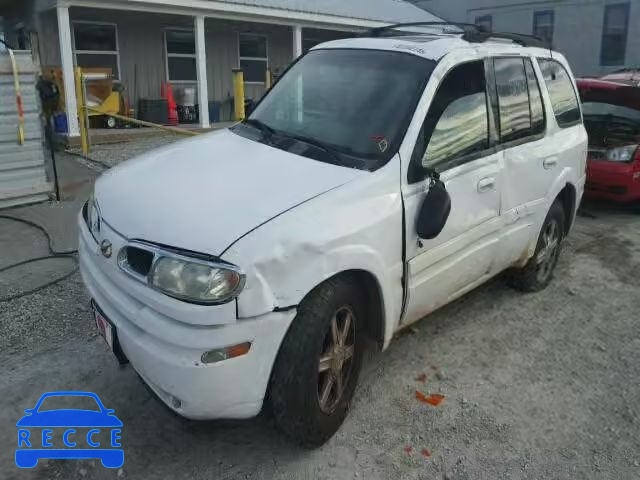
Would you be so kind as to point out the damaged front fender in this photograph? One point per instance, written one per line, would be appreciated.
(355, 227)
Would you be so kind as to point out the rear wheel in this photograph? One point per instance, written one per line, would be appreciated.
(317, 368)
(538, 272)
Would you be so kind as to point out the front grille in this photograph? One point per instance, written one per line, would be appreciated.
(597, 154)
(136, 260)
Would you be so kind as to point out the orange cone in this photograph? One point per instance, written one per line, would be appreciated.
(167, 92)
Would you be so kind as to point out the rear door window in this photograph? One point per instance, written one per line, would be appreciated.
(513, 99)
(561, 92)
(538, 120)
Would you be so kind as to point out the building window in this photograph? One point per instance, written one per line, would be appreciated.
(543, 23)
(485, 21)
(181, 55)
(96, 46)
(614, 34)
(253, 57)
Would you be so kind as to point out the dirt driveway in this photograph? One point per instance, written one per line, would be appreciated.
(536, 386)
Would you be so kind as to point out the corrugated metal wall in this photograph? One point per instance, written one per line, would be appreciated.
(22, 167)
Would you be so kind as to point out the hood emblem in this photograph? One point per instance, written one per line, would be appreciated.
(106, 248)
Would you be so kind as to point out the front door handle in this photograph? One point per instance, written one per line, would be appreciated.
(486, 184)
(548, 163)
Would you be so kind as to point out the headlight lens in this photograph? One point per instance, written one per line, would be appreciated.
(622, 154)
(93, 216)
(195, 281)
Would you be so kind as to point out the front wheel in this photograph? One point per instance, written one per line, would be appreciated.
(316, 372)
(538, 272)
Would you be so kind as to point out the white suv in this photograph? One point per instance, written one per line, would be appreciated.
(381, 178)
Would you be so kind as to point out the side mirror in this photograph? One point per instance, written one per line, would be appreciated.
(434, 212)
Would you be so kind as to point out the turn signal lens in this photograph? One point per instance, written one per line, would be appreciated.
(222, 354)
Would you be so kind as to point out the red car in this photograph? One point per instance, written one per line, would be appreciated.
(611, 107)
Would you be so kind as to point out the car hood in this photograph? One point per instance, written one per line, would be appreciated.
(609, 92)
(69, 418)
(204, 193)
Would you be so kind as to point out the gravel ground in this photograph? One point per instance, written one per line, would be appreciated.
(535, 386)
(114, 153)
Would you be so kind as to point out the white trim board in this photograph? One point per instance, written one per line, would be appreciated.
(233, 11)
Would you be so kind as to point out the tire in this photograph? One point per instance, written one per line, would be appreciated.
(538, 272)
(111, 122)
(306, 405)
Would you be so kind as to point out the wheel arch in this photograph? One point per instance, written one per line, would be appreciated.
(374, 301)
(568, 198)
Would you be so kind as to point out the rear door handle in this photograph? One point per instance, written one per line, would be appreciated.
(486, 184)
(549, 162)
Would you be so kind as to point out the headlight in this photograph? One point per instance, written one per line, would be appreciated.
(195, 280)
(622, 154)
(92, 216)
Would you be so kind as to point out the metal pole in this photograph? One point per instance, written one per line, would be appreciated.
(238, 93)
(82, 111)
(267, 80)
(49, 135)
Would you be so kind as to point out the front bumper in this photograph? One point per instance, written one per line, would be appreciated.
(158, 335)
(611, 181)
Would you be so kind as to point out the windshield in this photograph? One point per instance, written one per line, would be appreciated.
(352, 106)
(611, 125)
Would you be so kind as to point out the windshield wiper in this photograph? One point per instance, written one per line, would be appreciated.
(338, 159)
(263, 127)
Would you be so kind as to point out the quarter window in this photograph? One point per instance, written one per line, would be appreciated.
(561, 92)
(513, 98)
(96, 46)
(543, 23)
(457, 124)
(614, 34)
(181, 55)
(253, 57)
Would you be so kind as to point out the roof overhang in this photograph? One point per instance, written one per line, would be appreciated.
(226, 10)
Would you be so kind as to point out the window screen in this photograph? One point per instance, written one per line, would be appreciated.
(485, 21)
(561, 92)
(614, 34)
(181, 55)
(182, 69)
(96, 46)
(88, 60)
(181, 42)
(457, 124)
(543, 23)
(253, 57)
(95, 37)
(513, 98)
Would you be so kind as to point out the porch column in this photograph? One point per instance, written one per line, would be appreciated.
(297, 41)
(66, 57)
(201, 69)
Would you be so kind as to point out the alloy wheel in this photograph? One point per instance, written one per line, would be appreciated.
(550, 248)
(336, 360)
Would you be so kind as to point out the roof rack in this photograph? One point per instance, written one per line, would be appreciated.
(470, 32)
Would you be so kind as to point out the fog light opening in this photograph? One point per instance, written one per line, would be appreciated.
(226, 353)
